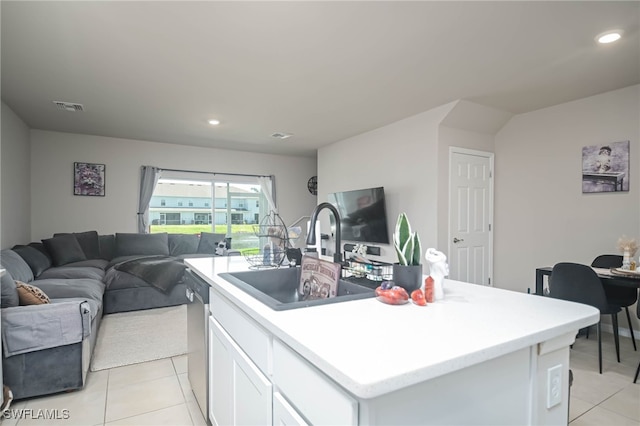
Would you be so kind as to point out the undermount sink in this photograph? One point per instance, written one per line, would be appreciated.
(278, 288)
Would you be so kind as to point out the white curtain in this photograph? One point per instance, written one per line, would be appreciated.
(268, 187)
(148, 180)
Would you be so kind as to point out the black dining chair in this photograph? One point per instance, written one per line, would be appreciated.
(618, 295)
(635, 379)
(578, 283)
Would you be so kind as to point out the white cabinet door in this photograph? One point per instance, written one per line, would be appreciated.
(470, 216)
(284, 414)
(220, 379)
(239, 393)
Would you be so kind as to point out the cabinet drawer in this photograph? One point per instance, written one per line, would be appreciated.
(285, 414)
(247, 334)
(313, 394)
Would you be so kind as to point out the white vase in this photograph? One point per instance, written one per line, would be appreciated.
(438, 290)
(626, 260)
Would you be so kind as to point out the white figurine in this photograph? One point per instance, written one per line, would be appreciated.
(221, 248)
(438, 269)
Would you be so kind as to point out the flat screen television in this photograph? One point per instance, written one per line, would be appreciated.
(363, 216)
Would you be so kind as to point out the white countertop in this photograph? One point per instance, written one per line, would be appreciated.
(371, 348)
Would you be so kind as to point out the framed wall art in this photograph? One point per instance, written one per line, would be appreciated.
(605, 168)
(88, 179)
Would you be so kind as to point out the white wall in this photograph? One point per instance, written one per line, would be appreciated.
(542, 216)
(15, 178)
(402, 157)
(410, 158)
(54, 208)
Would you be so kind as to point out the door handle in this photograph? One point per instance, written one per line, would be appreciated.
(457, 240)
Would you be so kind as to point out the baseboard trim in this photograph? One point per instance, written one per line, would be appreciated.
(608, 328)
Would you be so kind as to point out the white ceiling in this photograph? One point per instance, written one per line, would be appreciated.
(324, 71)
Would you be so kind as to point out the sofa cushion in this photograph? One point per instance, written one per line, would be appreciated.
(88, 242)
(36, 260)
(9, 291)
(180, 244)
(89, 263)
(128, 244)
(31, 295)
(70, 271)
(16, 266)
(107, 246)
(64, 249)
(68, 288)
(209, 241)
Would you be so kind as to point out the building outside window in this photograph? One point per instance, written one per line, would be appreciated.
(233, 213)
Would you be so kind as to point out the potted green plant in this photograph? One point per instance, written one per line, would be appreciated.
(407, 273)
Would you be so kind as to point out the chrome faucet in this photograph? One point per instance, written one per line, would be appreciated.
(311, 237)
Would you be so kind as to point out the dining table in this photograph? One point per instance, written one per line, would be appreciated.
(608, 276)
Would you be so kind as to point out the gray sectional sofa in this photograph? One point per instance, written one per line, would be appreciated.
(47, 348)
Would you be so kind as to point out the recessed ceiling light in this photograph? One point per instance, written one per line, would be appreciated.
(214, 122)
(609, 36)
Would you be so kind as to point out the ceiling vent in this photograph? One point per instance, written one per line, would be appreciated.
(69, 106)
(281, 135)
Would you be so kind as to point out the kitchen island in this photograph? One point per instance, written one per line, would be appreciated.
(479, 356)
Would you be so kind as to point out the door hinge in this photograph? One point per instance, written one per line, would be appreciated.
(489, 227)
(489, 280)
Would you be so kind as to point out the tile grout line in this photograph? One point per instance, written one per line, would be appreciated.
(186, 404)
(106, 399)
(616, 412)
(175, 375)
(592, 407)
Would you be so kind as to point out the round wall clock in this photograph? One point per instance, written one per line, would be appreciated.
(312, 185)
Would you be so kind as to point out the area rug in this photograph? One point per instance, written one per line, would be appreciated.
(138, 336)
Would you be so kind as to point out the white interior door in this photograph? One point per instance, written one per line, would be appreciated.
(470, 216)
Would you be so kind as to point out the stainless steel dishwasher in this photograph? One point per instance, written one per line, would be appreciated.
(198, 337)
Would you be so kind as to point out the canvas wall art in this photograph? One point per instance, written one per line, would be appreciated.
(605, 168)
(88, 179)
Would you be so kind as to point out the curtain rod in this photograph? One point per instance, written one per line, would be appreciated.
(211, 173)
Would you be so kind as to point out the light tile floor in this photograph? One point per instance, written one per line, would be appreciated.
(610, 398)
(151, 393)
(158, 393)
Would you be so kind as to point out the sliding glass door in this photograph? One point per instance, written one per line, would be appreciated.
(228, 206)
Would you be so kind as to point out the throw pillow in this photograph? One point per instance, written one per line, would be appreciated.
(107, 246)
(209, 242)
(180, 244)
(88, 241)
(41, 248)
(64, 249)
(9, 297)
(31, 295)
(36, 260)
(129, 244)
(13, 263)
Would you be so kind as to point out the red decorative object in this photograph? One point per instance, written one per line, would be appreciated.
(417, 296)
(392, 296)
(429, 292)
